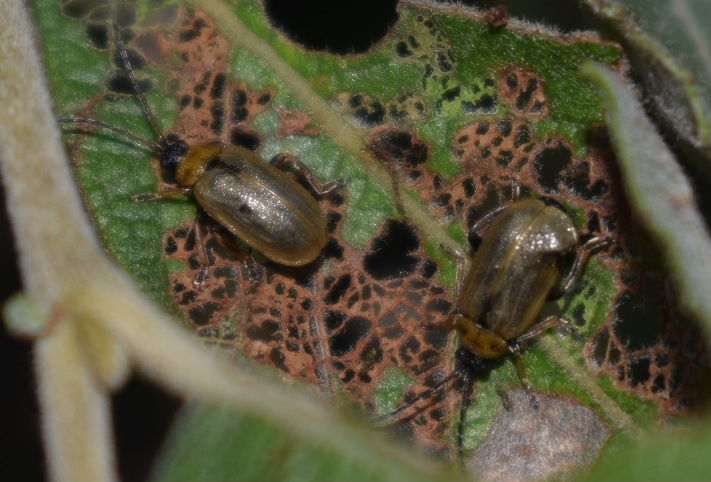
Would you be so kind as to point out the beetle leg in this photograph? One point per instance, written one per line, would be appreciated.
(203, 260)
(473, 234)
(199, 281)
(515, 190)
(461, 272)
(516, 350)
(520, 370)
(254, 269)
(539, 328)
(287, 162)
(426, 394)
(580, 259)
(166, 194)
(461, 261)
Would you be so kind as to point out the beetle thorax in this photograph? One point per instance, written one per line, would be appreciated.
(479, 340)
(196, 161)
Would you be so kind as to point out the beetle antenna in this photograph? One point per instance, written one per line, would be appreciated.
(93, 122)
(134, 83)
(427, 393)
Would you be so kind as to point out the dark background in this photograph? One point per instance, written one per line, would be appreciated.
(142, 414)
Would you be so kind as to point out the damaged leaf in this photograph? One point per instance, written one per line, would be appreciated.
(430, 126)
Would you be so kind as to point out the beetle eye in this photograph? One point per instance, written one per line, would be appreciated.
(172, 154)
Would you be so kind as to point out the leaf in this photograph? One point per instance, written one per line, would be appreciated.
(663, 197)
(451, 106)
(648, 166)
(679, 26)
(238, 446)
(660, 458)
(677, 98)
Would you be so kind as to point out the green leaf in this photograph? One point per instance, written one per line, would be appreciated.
(233, 445)
(660, 458)
(676, 75)
(679, 27)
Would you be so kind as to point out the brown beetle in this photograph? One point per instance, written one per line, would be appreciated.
(260, 203)
(511, 275)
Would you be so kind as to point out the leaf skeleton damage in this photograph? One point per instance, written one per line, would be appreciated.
(513, 272)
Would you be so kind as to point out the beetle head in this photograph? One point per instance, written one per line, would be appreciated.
(472, 362)
(171, 154)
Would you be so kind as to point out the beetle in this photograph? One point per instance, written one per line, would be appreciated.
(259, 202)
(513, 272)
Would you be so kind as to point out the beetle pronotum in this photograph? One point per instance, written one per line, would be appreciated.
(260, 203)
(511, 275)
